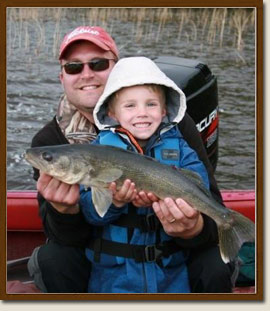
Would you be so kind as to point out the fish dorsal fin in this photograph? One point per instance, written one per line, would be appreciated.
(102, 199)
(195, 178)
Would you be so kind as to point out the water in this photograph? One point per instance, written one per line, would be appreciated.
(33, 90)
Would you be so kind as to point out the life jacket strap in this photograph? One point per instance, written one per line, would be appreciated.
(140, 253)
(146, 223)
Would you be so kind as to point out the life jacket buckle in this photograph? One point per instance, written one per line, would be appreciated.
(152, 253)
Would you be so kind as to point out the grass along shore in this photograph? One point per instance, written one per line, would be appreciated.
(211, 24)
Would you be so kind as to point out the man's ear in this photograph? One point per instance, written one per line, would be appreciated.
(61, 76)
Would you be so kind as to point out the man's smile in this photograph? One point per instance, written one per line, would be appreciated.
(89, 87)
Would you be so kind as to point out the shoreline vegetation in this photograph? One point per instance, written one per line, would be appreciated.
(208, 25)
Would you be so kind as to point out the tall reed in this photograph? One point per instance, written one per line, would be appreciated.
(209, 25)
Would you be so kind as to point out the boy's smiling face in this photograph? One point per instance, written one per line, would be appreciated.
(139, 109)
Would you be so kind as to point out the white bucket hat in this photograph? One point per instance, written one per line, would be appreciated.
(132, 71)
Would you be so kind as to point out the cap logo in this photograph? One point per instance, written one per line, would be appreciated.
(80, 31)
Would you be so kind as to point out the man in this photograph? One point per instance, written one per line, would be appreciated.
(87, 55)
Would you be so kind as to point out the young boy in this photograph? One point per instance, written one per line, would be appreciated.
(134, 249)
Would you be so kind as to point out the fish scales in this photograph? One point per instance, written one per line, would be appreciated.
(150, 173)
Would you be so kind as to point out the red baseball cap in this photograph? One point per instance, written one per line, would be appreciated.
(96, 35)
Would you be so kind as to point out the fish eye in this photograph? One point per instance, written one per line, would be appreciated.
(47, 156)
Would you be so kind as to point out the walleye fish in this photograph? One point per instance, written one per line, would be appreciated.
(96, 166)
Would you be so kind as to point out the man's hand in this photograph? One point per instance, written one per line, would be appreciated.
(63, 197)
(178, 218)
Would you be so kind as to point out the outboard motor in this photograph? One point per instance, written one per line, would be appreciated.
(200, 87)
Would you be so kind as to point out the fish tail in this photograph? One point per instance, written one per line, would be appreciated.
(233, 235)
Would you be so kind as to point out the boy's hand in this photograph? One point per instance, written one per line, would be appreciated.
(178, 218)
(125, 194)
(144, 199)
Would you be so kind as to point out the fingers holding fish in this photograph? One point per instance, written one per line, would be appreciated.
(144, 199)
(191, 219)
(170, 211)
(187, 210)
(168, 220)
(125, 194)
(184, 213)
(174, 220)
(63, 197)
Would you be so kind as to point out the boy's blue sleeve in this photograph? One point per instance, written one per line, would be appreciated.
(189, 160)
(89, 211)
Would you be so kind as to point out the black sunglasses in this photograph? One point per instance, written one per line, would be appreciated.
(98, 64)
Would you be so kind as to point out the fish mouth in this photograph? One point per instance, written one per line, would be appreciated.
(33, 160)
(27, 156)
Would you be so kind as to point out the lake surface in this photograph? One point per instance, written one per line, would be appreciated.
(33, 90)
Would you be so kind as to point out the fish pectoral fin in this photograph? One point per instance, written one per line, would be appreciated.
(109, 175)
(102, 199)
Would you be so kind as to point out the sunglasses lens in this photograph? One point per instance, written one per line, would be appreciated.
(99, 64)
(95, 65)
(73, 68)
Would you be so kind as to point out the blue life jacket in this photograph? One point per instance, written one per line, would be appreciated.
(117, 271)
(166, 152)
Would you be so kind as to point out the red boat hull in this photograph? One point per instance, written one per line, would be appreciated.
(24, 226)
(22, 208)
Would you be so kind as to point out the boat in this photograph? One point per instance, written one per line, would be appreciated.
(25, 232)
(194, 77)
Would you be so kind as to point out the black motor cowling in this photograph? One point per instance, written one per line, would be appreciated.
(200, 87)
